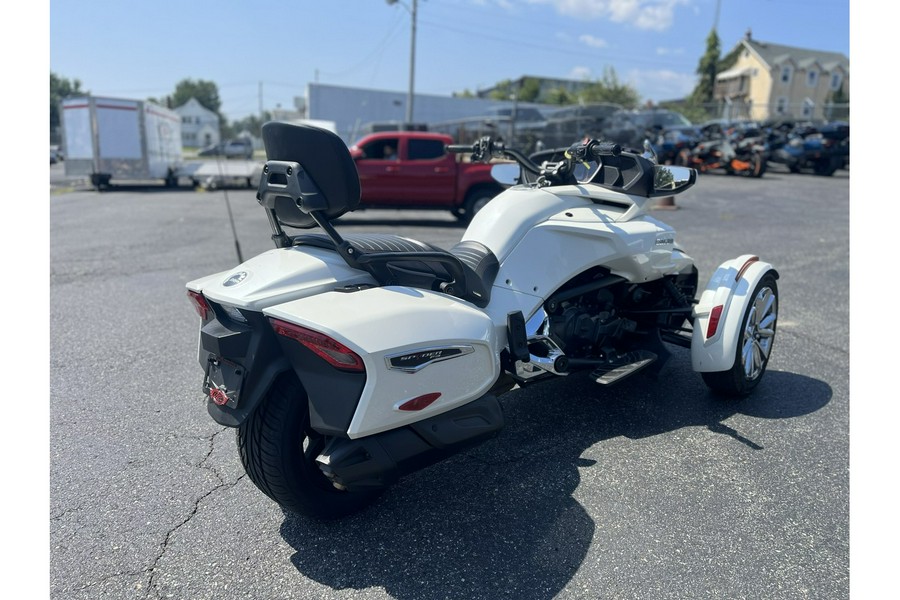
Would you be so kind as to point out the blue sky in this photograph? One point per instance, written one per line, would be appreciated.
(142, 49)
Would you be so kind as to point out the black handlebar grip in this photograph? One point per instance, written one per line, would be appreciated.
(459, 148)
(606, 149)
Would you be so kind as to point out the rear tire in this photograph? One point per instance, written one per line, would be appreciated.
(759, 165)
(825, 167)
(278, 449)
(755, 345)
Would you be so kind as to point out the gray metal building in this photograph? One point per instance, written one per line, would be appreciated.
(352, 109)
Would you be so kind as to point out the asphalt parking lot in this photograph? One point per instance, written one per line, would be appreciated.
(650, 489)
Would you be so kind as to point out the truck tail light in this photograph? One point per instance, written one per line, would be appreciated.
(330, 350)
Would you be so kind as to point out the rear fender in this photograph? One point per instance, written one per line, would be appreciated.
(415, 345)
(727, 295)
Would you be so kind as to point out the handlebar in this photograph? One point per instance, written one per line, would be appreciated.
(486, 148)
(558, 173)
(606, 149)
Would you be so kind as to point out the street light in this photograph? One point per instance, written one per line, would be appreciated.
(412, 56)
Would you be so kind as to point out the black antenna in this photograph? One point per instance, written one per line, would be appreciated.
(237, 245)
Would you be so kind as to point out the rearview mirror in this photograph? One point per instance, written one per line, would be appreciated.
(671, 180)
(505, 173)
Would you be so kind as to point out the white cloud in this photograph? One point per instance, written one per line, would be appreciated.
(669, 51)
(593, 42)
(655, 15)
(580, 73)
(661, 84)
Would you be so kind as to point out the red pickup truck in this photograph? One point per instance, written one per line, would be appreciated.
(412, 169)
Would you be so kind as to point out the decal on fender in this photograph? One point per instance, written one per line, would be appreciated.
(416, 360)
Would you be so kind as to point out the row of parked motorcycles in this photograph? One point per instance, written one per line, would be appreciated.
(746, 147)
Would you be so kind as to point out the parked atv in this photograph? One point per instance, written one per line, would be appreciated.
(823, 150)
(736, 150)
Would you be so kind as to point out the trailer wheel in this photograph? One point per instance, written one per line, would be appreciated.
(100, 181)
(754, 346)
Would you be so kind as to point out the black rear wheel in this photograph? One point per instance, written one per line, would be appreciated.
(278, 450)
(758, 165)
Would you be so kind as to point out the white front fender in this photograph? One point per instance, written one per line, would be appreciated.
(719, 314)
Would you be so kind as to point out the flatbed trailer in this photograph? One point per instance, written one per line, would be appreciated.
(221, 172)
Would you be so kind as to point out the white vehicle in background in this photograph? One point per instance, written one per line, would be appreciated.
(119, 139)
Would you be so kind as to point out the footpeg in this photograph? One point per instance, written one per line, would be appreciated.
(623, 366)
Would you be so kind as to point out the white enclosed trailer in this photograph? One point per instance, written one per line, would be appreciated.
(119, 139)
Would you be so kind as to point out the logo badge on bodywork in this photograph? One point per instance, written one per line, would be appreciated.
(235, 279)
(411, 362)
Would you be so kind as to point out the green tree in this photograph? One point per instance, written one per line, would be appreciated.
(252, 123)
(610, 89)
(560, 96)
(60, 88)
(502, 91)
(530, 89)
(840, 101)
(708, 68)
(206, 93)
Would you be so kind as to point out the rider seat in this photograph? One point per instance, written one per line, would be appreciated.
(310, 179)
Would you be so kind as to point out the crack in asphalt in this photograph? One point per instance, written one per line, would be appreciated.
(152, 591)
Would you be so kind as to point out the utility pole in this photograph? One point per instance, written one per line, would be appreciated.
(410, 97)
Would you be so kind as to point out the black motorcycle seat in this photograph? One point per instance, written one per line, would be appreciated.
(478, 263)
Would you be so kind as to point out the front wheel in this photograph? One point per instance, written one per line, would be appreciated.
(754, 346)
(278, 450)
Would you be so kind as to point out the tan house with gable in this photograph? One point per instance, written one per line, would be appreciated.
(769, 81)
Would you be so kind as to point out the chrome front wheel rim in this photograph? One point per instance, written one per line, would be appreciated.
(759, 333)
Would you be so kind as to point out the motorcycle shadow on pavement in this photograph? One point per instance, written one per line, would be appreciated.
(501, 520)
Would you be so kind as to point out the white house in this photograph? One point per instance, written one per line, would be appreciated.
(199, 125)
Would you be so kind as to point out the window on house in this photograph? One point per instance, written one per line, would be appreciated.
(781, 106)
(785, 75)
(808, 108)
(812, 78)
(836, 80)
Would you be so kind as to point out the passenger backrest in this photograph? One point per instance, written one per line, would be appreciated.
(326, 160)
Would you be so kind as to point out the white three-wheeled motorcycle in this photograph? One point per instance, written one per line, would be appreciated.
(347, 362)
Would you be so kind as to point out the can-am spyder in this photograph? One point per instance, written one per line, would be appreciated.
(347, 362)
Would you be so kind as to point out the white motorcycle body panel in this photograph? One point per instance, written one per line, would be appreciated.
(730, 287)
(278, 276)
(543, 239)
(392, 322)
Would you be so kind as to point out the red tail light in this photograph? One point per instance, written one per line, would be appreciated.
(332, 351)
(714, 317)
(200, 304)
